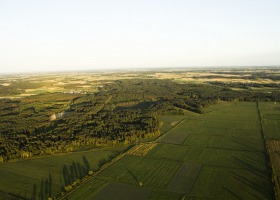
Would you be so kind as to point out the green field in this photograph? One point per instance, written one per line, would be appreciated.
(21, 176)
(185, 178)
(216, 155)
(152, 173)
(168, 151)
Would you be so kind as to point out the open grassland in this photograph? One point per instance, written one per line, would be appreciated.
(216, 155)
(21, 176)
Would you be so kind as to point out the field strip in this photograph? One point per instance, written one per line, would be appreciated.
(218, 109)
(56, 155)
(225, 167)
(267, 152)
(219, 148)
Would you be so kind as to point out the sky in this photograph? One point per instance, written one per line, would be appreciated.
(59, 35)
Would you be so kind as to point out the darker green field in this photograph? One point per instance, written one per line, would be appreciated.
(230, 183)
(185, 178)
(120, 191)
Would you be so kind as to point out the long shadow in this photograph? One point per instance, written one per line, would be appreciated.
(232, 193)
(247, 144)
(248, 166)
(253, 185)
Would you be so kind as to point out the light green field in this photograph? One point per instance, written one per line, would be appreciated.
(270, 113)
(20, 176)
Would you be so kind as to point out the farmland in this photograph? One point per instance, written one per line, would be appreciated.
(205, 134)
(227, 153)
(30, 173)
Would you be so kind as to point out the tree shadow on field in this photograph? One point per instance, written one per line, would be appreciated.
(246, 144)
(246, 163)
(45, 188)
(256, 186)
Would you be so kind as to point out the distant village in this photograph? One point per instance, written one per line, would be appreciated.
(75, 92)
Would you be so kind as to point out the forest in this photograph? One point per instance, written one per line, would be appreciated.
(121, 112)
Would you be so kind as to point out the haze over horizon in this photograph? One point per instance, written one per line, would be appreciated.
(39, 36)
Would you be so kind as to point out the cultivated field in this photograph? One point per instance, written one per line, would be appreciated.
(217, 155)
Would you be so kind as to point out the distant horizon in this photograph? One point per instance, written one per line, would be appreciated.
(113, 70)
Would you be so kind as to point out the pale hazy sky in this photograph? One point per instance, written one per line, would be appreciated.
(46, 35)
